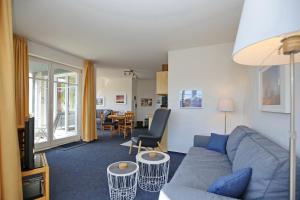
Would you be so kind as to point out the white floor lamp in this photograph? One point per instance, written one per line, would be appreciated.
(269, 34)
(225, 105)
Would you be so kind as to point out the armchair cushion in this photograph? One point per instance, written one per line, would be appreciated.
(140, 131)
(147, 140)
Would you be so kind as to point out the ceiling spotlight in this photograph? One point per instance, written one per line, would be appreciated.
(131, 73)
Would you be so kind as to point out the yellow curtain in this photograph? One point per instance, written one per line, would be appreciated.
(10, 171)
(89, 130)
(21, 78)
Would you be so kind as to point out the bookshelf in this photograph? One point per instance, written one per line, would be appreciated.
(43, 170)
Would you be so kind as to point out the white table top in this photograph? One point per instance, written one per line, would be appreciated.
(114, 169)
(159, 159)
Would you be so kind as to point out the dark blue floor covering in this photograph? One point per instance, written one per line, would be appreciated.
(78, 170)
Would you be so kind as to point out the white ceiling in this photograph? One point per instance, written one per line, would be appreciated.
(127, 33)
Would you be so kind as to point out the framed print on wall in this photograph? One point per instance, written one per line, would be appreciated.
(274, 89)
(191, 99)
(146, 102)
(120, 99)
(100, 101)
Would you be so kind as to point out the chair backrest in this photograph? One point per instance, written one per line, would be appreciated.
(129, 113)
(129, 118)
(159, 122)
(102, 117)
(114, 112)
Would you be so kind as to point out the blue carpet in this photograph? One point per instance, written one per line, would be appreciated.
(78, 170)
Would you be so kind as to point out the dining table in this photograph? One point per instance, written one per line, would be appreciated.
(116, 117)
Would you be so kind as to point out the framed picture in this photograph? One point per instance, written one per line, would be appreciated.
(274, 89)
(146, 102)
(120, 99)
(100, 101)
(191, 99)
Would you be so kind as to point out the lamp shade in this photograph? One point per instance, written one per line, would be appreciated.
(263, 25)
(226, 105)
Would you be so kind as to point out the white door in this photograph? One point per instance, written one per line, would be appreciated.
(54, 101)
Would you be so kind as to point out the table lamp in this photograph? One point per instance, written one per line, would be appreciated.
(225, 105)
(269, 34)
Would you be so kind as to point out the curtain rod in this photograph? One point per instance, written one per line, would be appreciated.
(55, 61)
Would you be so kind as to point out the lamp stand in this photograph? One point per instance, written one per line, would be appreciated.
(291, 46)
(225, 122)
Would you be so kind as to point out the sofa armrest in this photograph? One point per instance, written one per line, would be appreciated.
(201, 141)
(179, 192)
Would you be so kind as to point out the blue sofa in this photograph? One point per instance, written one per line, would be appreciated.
(106, 112)
(245, 148)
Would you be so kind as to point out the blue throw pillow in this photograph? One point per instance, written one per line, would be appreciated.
(218, 143)
(233, 185)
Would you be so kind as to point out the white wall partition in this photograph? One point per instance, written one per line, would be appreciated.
(210, 69)
(48, 53)
(273, 125)
(108, 85)
(146, 89)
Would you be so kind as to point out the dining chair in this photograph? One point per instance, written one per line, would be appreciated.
(126, 125)
(107, 124)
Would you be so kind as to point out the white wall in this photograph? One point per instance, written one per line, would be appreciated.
(210, 69)
(108, 86)
(134, 94)
(45, 52)
(145, 89)
(273, 125)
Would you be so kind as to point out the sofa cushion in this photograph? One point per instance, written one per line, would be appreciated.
(98, 113)
(270, 167)
(179, 192)
(234, 140)
(233, 185)
(200, 168)
(217, 143)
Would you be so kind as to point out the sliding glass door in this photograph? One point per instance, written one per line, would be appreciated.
(54, 98)
(65, 103)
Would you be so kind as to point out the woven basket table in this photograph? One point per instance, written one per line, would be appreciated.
(153, 170)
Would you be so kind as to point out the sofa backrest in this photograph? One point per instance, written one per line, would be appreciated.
(105, 112)
(98, 113)
(234, 139)
(270, 167)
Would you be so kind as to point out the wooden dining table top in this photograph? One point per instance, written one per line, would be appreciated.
(116, 116)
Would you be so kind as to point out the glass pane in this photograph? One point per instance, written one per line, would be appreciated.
(38, 99)
(40, 111)
(72, 108)
(65, 76)
(38, 70)
(65, 104)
